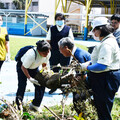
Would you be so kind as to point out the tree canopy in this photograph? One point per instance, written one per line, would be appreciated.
(19, 4)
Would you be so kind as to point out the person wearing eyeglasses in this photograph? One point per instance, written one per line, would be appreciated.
(115, 22)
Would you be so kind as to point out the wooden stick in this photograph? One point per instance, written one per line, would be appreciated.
(12, 109)
(52, 112)
(72, 55)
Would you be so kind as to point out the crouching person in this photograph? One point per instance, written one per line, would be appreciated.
(27, 68)
(68, 49)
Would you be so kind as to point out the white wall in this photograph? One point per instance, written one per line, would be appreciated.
(47, 7)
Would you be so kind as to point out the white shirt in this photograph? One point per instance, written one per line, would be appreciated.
(73, 52)
(107, 53)
(30, 62)
(48, 37)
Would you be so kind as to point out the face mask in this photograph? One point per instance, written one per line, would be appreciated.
(59, 22)
(95, 38)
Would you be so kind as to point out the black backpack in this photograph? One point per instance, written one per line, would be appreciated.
(22, 51)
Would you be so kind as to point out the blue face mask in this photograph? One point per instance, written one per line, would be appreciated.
(59, 22)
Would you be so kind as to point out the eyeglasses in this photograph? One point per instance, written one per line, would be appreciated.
(114, 23)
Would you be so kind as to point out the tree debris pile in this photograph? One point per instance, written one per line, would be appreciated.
(8, 111)
(84, 104)
(68, 82)
(52, 80)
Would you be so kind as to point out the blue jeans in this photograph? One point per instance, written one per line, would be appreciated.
(22, 82)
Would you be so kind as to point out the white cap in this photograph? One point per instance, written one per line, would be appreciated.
(99, 21)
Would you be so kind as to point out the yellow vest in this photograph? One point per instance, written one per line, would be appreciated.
(3, 33)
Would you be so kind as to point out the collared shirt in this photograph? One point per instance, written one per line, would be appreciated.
(107, 53)
(29, 60)
(59, 29)
(73, 51)
(116, 33)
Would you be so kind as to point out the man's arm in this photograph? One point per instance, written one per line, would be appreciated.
(25, 71)
(32, 80)
(7, 48)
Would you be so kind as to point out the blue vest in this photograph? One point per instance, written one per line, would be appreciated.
(56, 36)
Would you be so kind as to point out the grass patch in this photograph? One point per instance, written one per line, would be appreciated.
(17, 42)
(69, 112)
(82, 47)
(116, 109)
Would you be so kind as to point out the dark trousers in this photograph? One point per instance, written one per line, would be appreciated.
(22, 82)
(1, 62)
(104, 86)
(56, 58)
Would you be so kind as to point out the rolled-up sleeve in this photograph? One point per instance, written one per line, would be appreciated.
(48, 37)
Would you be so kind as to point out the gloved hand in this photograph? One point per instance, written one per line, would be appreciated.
(32, 80)
(7, 57)
(73, 63)
(83, 66)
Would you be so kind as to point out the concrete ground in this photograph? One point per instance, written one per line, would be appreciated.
(8, 88)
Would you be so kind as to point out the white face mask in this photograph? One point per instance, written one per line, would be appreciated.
(59, 22)
(95, 38)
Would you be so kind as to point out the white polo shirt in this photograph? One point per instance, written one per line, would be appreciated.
(107, 53)
(30, 62)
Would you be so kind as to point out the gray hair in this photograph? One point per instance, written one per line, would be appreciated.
(66, 41)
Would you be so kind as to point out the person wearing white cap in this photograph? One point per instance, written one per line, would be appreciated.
(104, 75)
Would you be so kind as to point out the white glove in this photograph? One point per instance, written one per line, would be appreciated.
(7, 57)
(83, 66)
(32, 80)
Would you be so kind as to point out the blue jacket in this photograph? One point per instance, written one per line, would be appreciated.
(82, 55)
(117, 36)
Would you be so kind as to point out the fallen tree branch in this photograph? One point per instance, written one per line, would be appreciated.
(12, 109)
(52, 112)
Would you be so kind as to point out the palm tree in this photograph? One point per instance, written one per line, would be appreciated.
(19, 4)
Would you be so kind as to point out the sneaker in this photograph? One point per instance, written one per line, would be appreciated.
(35, 108)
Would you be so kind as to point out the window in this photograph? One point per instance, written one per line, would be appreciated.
(35, 3)
(118, 10)
(74, 28)
(7, 5)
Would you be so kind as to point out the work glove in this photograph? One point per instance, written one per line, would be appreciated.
(32, 80)
(7, 57)
(73, 63)
(83, 66)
